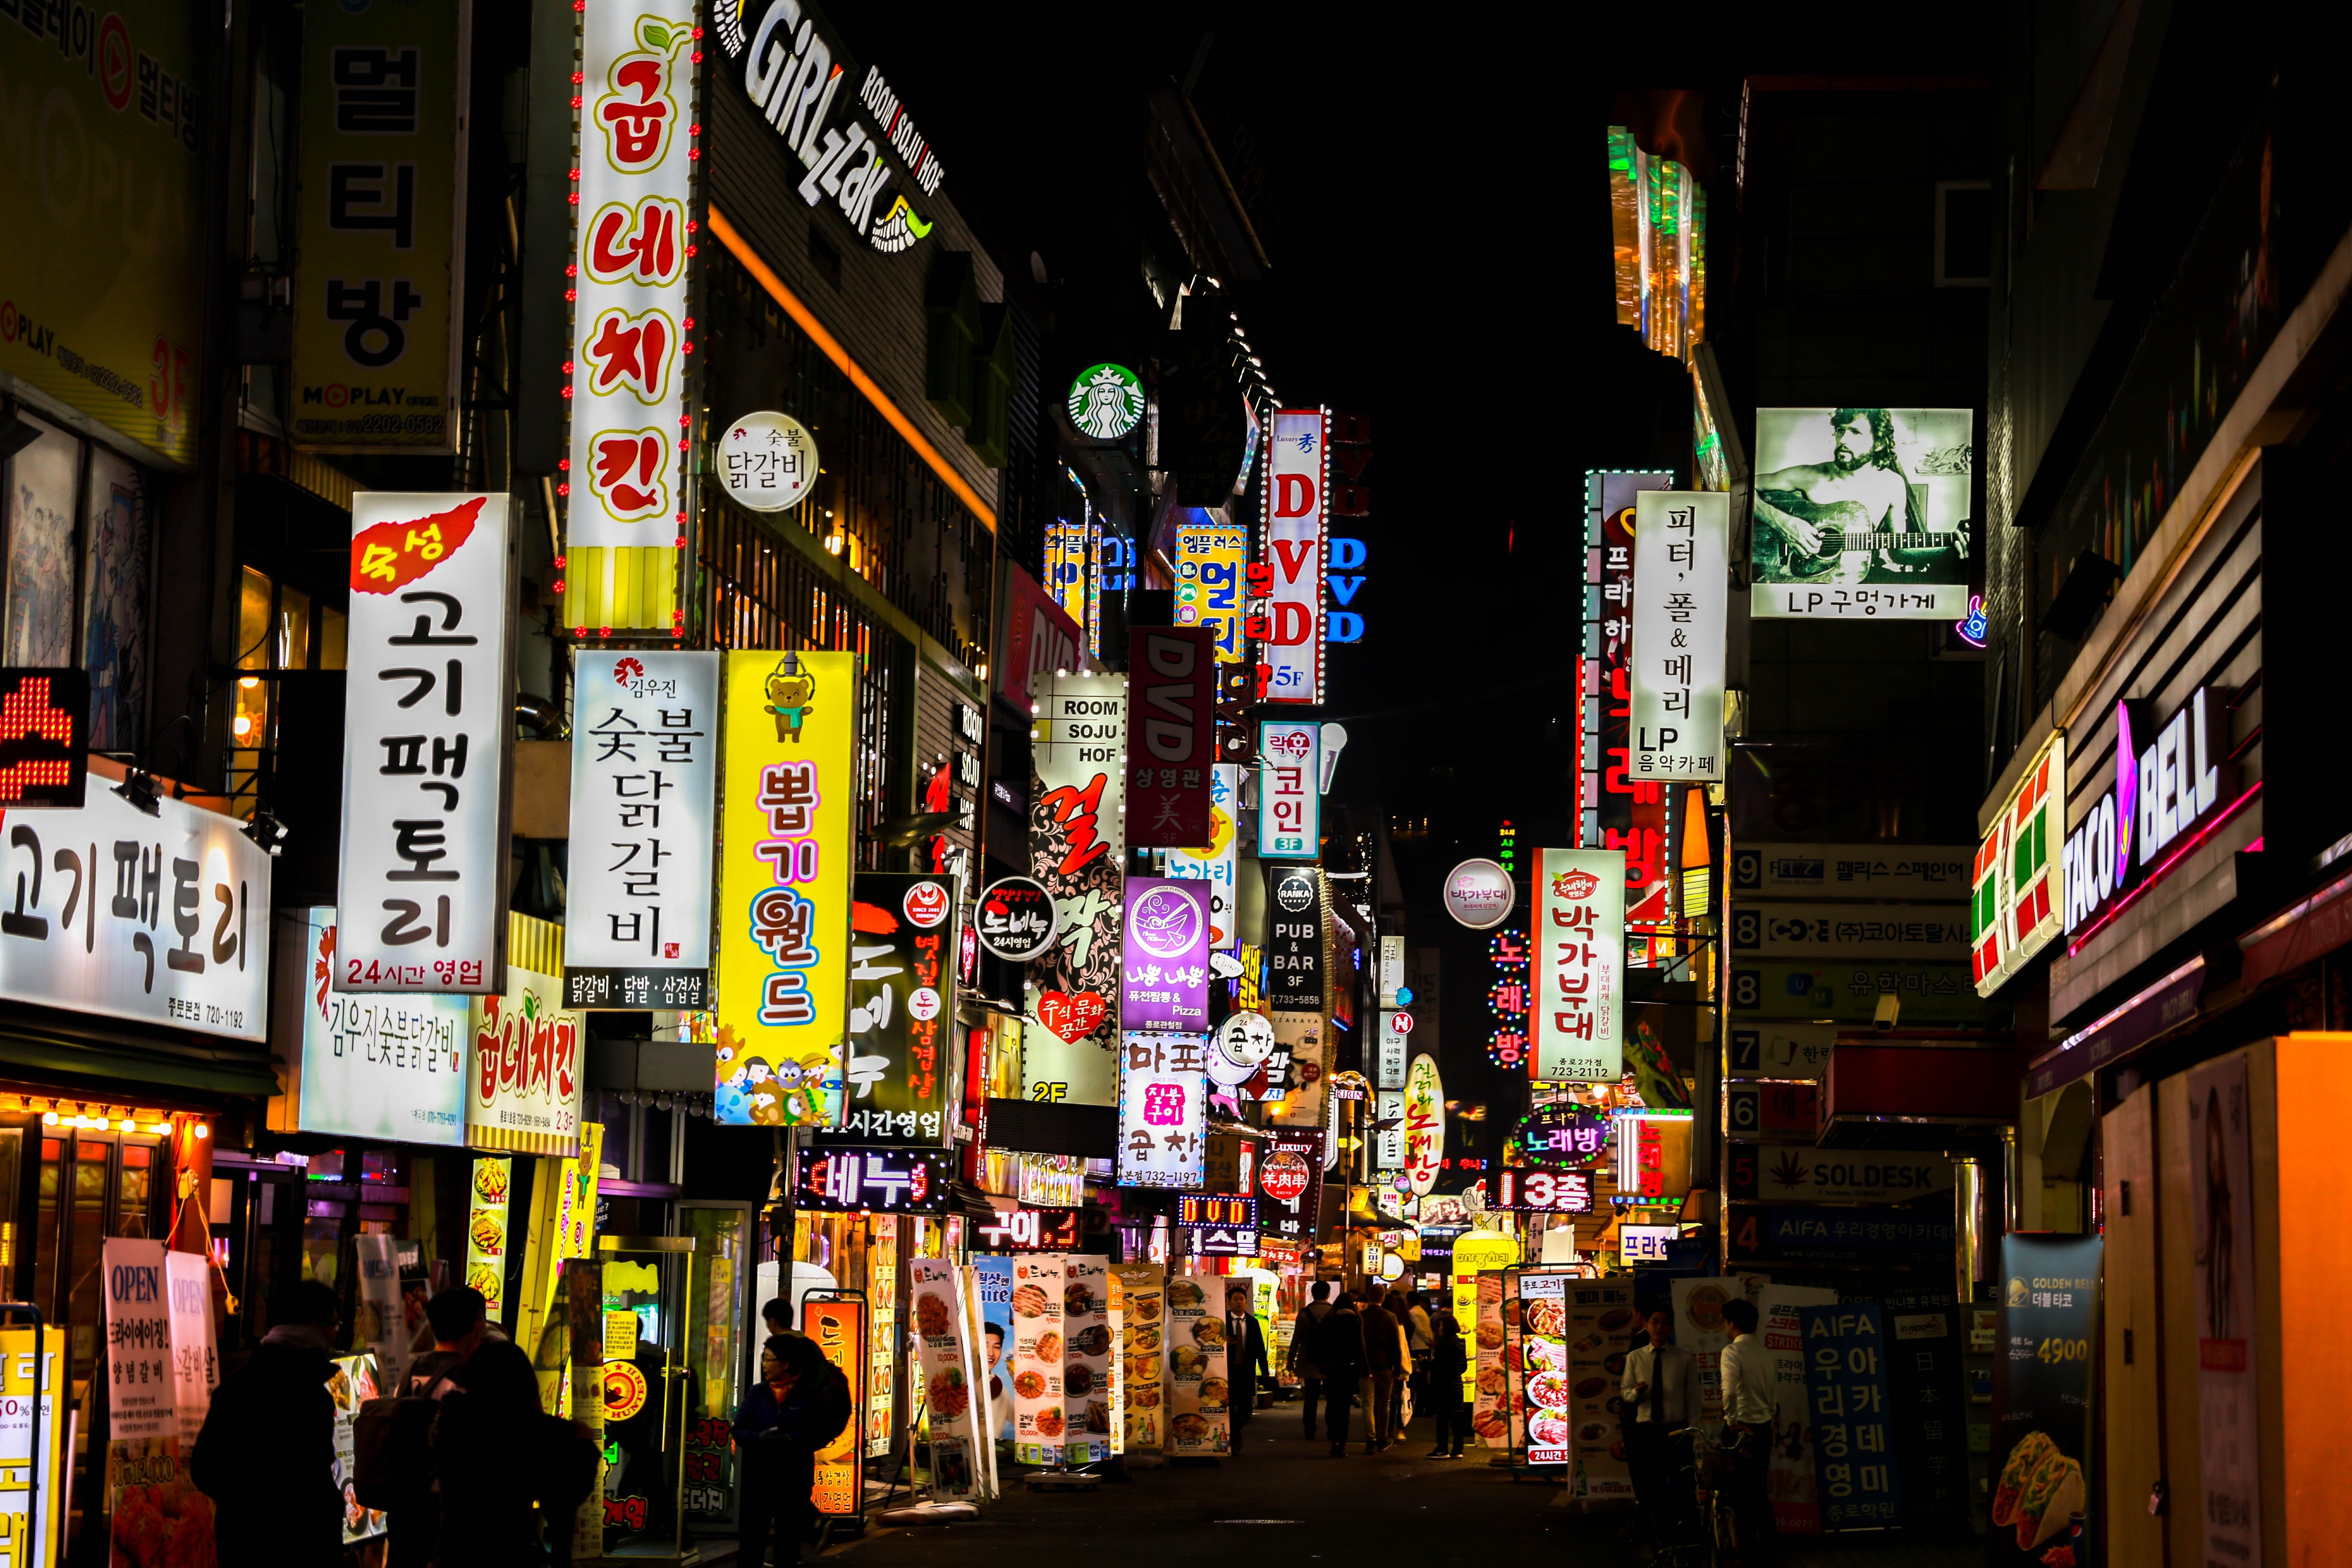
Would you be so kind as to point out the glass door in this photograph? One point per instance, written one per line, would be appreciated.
(719, 1355)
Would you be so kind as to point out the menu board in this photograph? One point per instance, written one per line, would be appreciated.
(1115, 1322)
(1087, 1358)
(1853, 1451)
(1040, 1419)
(943, 1353)
(1488, 1409)
(1789, 1481)
(1466, 1314)
(882, 1335)
(1199, 1400)
(353, 1385)
(838, 1327)
(486, 1230)
(1543, 1403)
(1600, 1323)
(1142, 1334)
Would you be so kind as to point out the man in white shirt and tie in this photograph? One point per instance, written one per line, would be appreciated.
(1748, 1411)
(1657, 1390)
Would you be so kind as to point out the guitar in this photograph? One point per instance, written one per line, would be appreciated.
(1845, 531)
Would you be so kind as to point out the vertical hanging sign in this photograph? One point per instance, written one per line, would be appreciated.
(428, 737)
(1216, 859)
(633, 238)
(783, 887)
(1289, 798)
(1171, 675)
(901, 1008)
(1077, 846)
(1578, 1006)
(645, 779)
(1607, 796)
(1297, 475)
(1681, 598)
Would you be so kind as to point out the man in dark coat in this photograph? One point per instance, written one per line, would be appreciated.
(1340, 1352)
(266, 1454)
(1384, 1356)
(800, 1405)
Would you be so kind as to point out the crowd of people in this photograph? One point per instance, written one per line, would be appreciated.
(1385, 1351)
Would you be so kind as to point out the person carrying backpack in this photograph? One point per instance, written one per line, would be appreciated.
(266, 1454)
(800, 1405)
(392, 1440)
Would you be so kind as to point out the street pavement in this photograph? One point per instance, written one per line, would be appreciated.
(1285, 1500)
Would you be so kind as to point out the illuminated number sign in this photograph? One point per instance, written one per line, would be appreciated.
(1556, 1192)
(44, 739)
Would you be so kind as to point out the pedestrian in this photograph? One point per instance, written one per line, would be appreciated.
(1748, 1410)
(1246, 1359)
(800, 1405)
(1385, 1358)
(1339, 1350)
(1449, 1360)
(1301, 1361)
(266, 1455)
(460, 1319)
(1410, 1383)
(511, 1475)
(1655, 1391)
(778, 1315)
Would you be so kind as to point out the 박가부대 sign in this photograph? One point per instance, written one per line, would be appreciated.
(1579, 938)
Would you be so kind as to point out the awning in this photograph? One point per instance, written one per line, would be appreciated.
(116, 1067)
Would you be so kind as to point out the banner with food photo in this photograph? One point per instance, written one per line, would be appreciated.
(1514, 1401)
(1085, 1357)
(2042, 1404)
(1199, 1400)
(1699, 1329)
(352, 1385)
(1143, 1347)
(1040, 1419)
(1599, 1333)
(1546, 1394)
(1791, 1482)
(943, 1353)
(1489, 1403)
(1115, 1358)
(486, 1230)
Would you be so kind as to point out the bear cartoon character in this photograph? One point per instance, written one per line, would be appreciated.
(789, 694)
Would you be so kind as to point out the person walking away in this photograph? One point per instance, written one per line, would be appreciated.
(1246, 1359)
(800, 1404)
(1383, 1355)
(1449, 1360)
(266, 1455)
(1339, 1350)
(1656, 1391)
(778, 1315)
(1409, 1364)
(1301, 1363)
(511, 1475)
(1748, 1411)
(460, 1319)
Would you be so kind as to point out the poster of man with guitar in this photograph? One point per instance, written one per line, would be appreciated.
(1863, 512)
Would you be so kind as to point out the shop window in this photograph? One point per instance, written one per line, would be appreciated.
(91, 1184)
(77, 565)
(280, 630)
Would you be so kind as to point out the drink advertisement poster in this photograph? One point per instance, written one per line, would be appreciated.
(1087, 1358)
(1790, 1483)
(1200, 1398)
(993, 1277)
(1142, 1342)
(1040, 1354)
(1600, 1321)
(2041, 1404)
(838, 1327)
(1853, 1432)
(944, 1353)
(1490, 1403)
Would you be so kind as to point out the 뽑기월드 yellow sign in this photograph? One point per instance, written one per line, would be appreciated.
(783, 887)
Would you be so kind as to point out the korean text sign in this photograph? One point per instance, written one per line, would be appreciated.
(142, 1455)
(1209, 581)
(629, 353)
(1607, 797)
(1578, 937)
(1289, 797)
(1424, 1123)
(376, 1067)
(1853, 1451)
(1681, 597)
(1166, 936)
(2043, 1394)
(1172, 678)
(383, 196)
(838, 1327)
(159, 918)
(1164, 1110)
(784, 888)
(529, 1076)
(901, 1008)
(428, 733)
(645, 783)
(1298, 474)
(1216, 858)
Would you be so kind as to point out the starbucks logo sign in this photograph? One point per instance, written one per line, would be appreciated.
(1106, 402)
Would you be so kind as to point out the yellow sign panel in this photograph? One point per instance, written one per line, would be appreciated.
(783, 887)
(1476, 1249)
(1209, 591)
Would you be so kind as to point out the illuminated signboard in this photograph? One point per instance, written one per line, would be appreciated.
(876, 1181)
(1553, 1191)
(1298, 476)
(1579, 942)
(2016, 897)
(1209, 560)
(1106, 402)
(1030, 1230)
(1506, 1046)
(1645, 1242)
(1681, 577)
(1289, 797)
(44, 739)
(1607, 793)
(1862, 513)
(1653, 1154)
(2182, 781)
(1346, 581)
(1564, 1136)
(1203, 1211)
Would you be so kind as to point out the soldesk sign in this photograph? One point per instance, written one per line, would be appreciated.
(2179, 781)
(863, 155)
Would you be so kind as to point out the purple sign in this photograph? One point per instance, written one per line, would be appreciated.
(1166, 950)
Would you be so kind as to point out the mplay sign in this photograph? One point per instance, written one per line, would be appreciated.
(2178, 780)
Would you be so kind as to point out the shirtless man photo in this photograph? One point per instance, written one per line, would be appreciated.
(1811, 518)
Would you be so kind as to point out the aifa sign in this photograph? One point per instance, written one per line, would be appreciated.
(2173, 779)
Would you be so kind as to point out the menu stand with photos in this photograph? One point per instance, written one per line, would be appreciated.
(1541, 1390)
